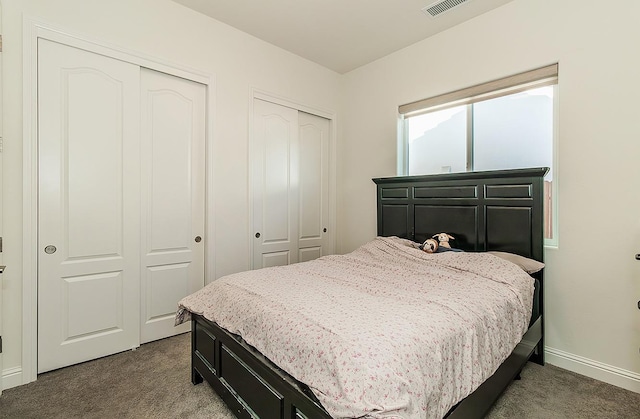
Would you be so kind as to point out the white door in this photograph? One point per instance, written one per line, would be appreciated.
(173, 190)
(313, 187)
(290, 169)
(89, 206)
(275, 184)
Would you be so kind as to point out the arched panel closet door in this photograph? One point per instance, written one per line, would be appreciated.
(121, 187)
(290, 178)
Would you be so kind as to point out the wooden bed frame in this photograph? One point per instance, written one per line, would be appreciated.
(494, 210)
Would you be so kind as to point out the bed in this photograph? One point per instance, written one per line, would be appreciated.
(485, 211)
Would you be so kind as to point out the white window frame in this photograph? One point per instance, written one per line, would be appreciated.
(545, 76)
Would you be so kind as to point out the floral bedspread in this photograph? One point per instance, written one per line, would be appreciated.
(385, 331)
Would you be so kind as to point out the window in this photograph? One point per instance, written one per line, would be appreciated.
(486, 127)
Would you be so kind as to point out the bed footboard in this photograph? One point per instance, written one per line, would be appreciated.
(254, 387)
(251, 385)
(478, 403)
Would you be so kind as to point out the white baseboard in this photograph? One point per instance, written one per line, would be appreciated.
(608, 373)
(11, 377)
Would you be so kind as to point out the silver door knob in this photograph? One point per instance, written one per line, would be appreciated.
(257, 235)
(198, 239)
(50, 249)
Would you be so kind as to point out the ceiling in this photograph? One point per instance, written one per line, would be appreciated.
(339, 34)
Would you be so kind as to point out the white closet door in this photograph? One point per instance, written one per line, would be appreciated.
(173, 189)
(313, 240)
(275, 184)
(89, 206)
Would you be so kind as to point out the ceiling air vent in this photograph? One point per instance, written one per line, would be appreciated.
(439, 7)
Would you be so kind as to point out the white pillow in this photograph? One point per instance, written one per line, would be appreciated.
(528, 265)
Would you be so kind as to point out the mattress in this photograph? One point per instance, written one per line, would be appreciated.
(385, 331)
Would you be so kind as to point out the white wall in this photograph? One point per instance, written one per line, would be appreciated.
(168, 31)
(592, 281)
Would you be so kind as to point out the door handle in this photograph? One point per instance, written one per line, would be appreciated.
(637, 256)
(50, 249)
(257, 235)
(198, 239)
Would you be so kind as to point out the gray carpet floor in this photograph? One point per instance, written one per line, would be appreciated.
(154, 381)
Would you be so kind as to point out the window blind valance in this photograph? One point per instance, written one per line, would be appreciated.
(540, 77)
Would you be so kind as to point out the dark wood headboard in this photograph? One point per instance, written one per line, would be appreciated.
(493, 210)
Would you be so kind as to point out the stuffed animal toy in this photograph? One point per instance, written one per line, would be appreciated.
(443, 239)
(429, 246)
